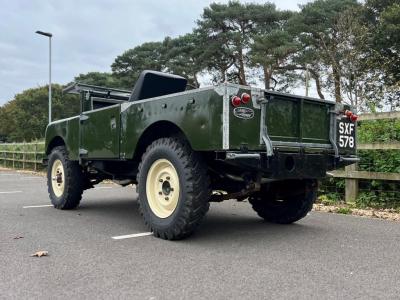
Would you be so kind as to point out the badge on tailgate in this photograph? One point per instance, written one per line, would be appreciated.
(346, 133)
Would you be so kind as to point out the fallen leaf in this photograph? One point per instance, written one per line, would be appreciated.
(40, 253)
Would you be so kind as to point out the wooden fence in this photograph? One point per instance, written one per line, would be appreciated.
(352, 175)
(22, 155)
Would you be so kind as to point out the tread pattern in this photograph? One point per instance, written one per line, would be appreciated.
(288, 211)
(196, 186)
(74, 179)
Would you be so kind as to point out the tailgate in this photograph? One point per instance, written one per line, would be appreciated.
(278, 120)
(292, 119)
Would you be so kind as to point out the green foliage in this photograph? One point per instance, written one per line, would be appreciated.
(373, 193)
(229, 29)
(183, 56)
(379, 131)
(128, 66)
(344, 210)
(100, 79)
(25, 118)
(25, 155)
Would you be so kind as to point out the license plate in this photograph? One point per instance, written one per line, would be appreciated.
(346, 134)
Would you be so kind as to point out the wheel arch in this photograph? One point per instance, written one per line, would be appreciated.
(54, 142)
(155, 131)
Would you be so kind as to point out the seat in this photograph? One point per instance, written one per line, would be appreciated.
(154, 84)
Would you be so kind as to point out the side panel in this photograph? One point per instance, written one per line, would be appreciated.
(100, 133)
(198, 114)
(68, 130)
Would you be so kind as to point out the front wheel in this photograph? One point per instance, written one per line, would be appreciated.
(173, 187)
(284, 202)
(64, 180)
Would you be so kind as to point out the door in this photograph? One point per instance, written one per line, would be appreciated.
(99, 130)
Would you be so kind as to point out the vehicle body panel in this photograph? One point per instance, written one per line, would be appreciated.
(68, 131)
(194, 112)
(100, 132)
(270, 124)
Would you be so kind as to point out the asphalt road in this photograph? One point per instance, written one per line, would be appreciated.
(233, 255)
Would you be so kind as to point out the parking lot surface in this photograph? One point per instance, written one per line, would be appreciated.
(103, 250)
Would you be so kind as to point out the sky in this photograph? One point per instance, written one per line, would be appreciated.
(87, 35)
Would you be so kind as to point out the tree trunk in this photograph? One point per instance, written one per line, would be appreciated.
(196, 81)
(315, 75)
(223, 77)
(267, 77)
(242, 75)
(336, 78)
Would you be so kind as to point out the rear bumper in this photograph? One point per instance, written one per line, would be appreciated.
(286, 165)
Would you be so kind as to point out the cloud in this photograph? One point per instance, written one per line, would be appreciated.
(87, 35)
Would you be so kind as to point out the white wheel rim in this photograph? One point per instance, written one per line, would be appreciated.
(162, 188)
(57, 178)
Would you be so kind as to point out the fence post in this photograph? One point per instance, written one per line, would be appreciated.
(351, 190)
(35, 158)
(23, 156)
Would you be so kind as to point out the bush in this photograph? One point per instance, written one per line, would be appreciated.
(372, 193)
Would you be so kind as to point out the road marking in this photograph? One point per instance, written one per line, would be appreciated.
(32, 177)
(103, 187)
(34, 206)
(10, 192)
(129, 236)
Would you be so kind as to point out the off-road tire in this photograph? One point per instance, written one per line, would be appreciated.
(73, 180)
(285, 202)
(194, 189)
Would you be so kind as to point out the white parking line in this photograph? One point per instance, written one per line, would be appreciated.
(103, 187)
(34, 206)
(129, 236)
(10, 192)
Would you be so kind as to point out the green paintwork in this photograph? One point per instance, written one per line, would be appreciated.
(114, 131)
(100, 132)
(200, 121)
(298, 120)
(68, 130)
(282, 119)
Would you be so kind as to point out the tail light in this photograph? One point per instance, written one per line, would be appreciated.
(348, 113)
(245, 98)
(236, 101)
(353, 117)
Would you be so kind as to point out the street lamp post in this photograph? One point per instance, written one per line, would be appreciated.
(49, 35)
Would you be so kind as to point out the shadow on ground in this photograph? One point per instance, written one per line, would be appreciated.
(225, 221)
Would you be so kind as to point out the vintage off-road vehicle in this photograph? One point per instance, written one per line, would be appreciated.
(185, 148)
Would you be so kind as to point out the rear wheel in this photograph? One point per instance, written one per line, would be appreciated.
(64, 180)
(285, 202)
(173, 187)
